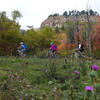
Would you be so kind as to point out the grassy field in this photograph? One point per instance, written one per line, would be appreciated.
(47, 79)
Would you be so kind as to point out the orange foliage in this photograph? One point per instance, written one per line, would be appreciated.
(71, 46)
(96, 36)
(63, 45)
(80, 36)
(62, 39)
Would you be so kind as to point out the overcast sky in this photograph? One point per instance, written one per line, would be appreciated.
(36, 11)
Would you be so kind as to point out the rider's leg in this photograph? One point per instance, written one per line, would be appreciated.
(19, 52)
(54, 54)
(22, 52)
(79, 53)
(82, 52)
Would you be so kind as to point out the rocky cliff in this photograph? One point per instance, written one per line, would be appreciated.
(59, 21)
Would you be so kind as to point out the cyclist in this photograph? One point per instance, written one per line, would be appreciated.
(22, 48)
(81, 48)
(53, 49)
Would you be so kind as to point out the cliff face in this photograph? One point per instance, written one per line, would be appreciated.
(59, 21)
(56, 21)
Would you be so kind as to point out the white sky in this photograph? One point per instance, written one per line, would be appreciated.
(36, 11)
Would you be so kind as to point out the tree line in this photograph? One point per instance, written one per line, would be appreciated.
(39, 40)
(11, 34)
(76, 12)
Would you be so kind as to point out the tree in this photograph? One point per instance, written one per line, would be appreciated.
(39, 40)
(48, 35)
(10, 34)
(55, 15)
(96, 36)
(65, 14)
(96, 13)
(91, 12)
(31, 38)
(89, 31)
(57, 29)
(70, 13)
(16, 14)
(70, 31)
(63, 27)
(83, 12)
(50, 16)
(77, 25)
(3, 16)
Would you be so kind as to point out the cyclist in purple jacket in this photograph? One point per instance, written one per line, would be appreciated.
(53, 47)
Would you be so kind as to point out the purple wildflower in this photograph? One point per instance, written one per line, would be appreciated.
(20, 99)
(89, 88)
(95, 67)
(76, 72)
(11, 75)
(30, 86)
(18, 77)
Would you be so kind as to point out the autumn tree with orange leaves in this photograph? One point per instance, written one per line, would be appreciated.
(96, 36)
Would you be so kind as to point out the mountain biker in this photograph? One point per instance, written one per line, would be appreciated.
(53, 47)
(22, 48)
(52, 50)
(81, 47)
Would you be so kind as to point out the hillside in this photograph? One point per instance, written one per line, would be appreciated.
(60, 20)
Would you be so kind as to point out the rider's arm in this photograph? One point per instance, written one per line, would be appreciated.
(20, 47)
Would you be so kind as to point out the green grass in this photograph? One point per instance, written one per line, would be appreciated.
(32, 73)
(32, 68)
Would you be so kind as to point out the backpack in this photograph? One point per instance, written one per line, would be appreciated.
(55, 46)
(25, 46)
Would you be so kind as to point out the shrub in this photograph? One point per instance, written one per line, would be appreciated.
(64, 53)
(96, 54)
(41, 54)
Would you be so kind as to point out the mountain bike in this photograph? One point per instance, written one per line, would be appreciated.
(79, 54)
(19, 53)
(52, 54)
(84, 55)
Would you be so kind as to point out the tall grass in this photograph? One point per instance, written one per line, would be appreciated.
(48, 79)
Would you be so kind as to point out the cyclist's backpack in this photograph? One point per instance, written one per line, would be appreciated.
(25, 46)
(55, 46)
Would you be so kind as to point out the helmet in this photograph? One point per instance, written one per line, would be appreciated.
(21, 43)
(51, 43)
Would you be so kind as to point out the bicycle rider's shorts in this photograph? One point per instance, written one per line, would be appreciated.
(82, 50)
(54, 51)
(23, 50)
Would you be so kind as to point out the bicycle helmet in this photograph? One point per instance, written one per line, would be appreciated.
(21, 43)
(51, 43)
